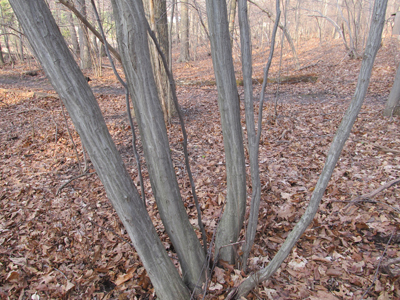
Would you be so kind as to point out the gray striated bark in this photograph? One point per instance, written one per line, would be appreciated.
(228, 101)
(133, 45)
(393, 104)
(69, 82)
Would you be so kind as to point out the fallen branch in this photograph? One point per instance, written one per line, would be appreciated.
(72, 179)
(377, 269)
(388, 270)
(368, 196)
(386, 149)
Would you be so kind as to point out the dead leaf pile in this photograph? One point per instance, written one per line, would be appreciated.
(72, 245)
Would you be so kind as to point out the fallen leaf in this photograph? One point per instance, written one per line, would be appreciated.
(12, 276)
(334, 272)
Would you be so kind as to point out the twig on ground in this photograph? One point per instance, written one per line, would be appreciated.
(377, 269)
(72, 179)
(368, 196)
(386, 149)
(70, 136)
(110, 230)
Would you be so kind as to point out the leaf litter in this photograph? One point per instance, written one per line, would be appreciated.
(72, 245)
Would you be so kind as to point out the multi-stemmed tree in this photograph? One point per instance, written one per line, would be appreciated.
(132, 32)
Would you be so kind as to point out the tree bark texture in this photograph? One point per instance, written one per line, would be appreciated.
(69, 82)
(231, 19)
(245, 44)
(392, 106)
(184, 28)
(133, 45)
(84, 44)
(342, 134)
(72, 32)
(156, 11)
(228, 101)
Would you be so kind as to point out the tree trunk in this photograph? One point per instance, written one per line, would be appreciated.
(342, 134)
(393, 104)
(84, 44)
(133, 45)
(20, 45)
(253, 142)
(72, 32)
(2, 62)
(231, 19)
(156, 10)
(228, 101)
(67, 79)
(184, 54)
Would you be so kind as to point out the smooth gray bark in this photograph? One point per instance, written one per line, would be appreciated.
(228, 101)
(245, 45)
(72, 32)
(133, 45)
(231, 19)
(69, 82)
(184, 54)
(84, 44)
(393, 104)
(253, 137)
(156, 12)
(342, 134)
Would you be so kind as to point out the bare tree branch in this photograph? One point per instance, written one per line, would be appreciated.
(73, 9)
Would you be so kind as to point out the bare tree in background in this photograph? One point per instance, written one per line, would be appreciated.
(393, 104)
(184, 30)
(84, 44)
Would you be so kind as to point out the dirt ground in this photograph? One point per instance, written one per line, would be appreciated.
(62, 239)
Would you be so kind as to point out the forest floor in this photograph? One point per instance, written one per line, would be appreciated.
(60, 240)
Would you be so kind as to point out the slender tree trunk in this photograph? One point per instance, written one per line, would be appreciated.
(228, 101)
(245, 44)
(156, 10)
(84, 44)
(170, 103)
(184, 54)
(67, 79)
(342, 134)
(72, 32)
(393, 104)
(2, 62)
(20, 45)
(231, 20)
(133, 45)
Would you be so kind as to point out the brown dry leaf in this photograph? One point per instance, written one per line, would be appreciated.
(384, 296)
(334, 272)
(68, 286)
(220, 274)
(323, 295)
(12, 276)
(20, 261)
(221, 199)
(125, 277)
(45, 231)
